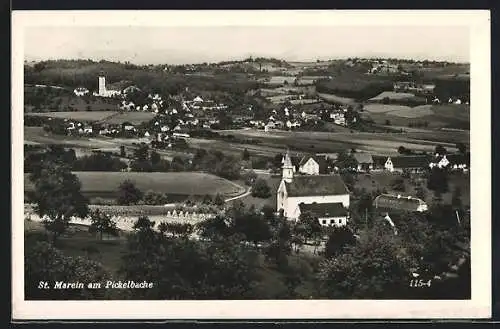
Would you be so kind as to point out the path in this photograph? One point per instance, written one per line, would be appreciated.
(247, 193)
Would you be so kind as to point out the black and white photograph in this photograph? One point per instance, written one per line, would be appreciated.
(239, 164)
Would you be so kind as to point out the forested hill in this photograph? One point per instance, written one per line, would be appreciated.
(84, 73)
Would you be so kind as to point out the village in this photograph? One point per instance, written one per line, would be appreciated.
(330, 165)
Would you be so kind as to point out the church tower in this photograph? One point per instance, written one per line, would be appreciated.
(102, 84)
(287, 168)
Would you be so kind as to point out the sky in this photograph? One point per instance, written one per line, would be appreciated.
(189, 44)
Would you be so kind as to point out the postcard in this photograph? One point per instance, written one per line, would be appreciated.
(251, 164)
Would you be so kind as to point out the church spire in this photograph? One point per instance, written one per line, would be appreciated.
(287, 168)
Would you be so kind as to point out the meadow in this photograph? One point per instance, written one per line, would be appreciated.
(135, 118)
(78, 116)
(105, 184)
(336, 99)
(437, 115)
(391, 95)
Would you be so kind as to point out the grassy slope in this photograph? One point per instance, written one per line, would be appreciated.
(181, 183)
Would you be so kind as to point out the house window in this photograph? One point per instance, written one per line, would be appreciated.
(324, 221)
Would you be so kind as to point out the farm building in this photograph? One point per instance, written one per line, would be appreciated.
(388, 202)
(328, 214)
(312, 165)
(308, 189)
(415, 163)
(365, 161)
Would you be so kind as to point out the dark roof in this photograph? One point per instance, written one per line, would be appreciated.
(363, 157)
(316, 185)
(387, 201)
(379, 160)
(322, 210)
(410, 161)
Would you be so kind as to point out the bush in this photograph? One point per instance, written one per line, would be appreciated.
(154, 198)
(128, 193)
(249, 177)
(260, 189)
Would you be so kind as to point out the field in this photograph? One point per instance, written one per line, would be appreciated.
(391, 95)
(304, 101)
(437, 116)
(105, 184)
(400, 110)
(78, 116)
(132, 117)
(336, 99)
(319, 142)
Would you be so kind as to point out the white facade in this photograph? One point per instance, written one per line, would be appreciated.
(311, 167)
(290, 204)
(102, 85)
(389, 165)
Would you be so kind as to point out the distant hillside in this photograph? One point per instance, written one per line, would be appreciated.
(84, 73)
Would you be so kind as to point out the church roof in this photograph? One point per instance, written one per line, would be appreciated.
(323, 210)
(287, 162)
(316, 185)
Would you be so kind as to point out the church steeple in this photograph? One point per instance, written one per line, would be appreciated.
(287, 168)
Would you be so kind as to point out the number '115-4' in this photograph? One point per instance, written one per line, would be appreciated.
(420, 283)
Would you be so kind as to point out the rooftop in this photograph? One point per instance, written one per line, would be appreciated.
(316, 185)
(387, 201)
(323, 210)
(363, 157)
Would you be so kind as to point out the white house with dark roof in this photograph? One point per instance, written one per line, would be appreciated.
(327, 190)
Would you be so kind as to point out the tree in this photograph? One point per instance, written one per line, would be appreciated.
(122, 151)
(346, 161)
(155, 158)
(253, 226)
(260, 189)
(387, 122)
(398, 184)
(311, 226)
(461, 148)
(219, 200)
(438, 180)
(58, 197)
(250, 177)
(102, 223)
(338, 239)
(375, 268)
(44, 263)
(456, 198)
(440, 150)
(246, 155)
(128, 193)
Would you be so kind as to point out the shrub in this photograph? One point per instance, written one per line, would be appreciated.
(260, 189)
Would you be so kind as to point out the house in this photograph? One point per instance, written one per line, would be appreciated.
(402, 86)
(198, 99)
(81, 91)
(127, 126)
(388, 202)
(308, 189)
(451, 161)
(309, 166)
(328, 214)
(365, 161)
(415, 163)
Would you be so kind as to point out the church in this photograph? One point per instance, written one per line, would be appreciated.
(326, 196)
